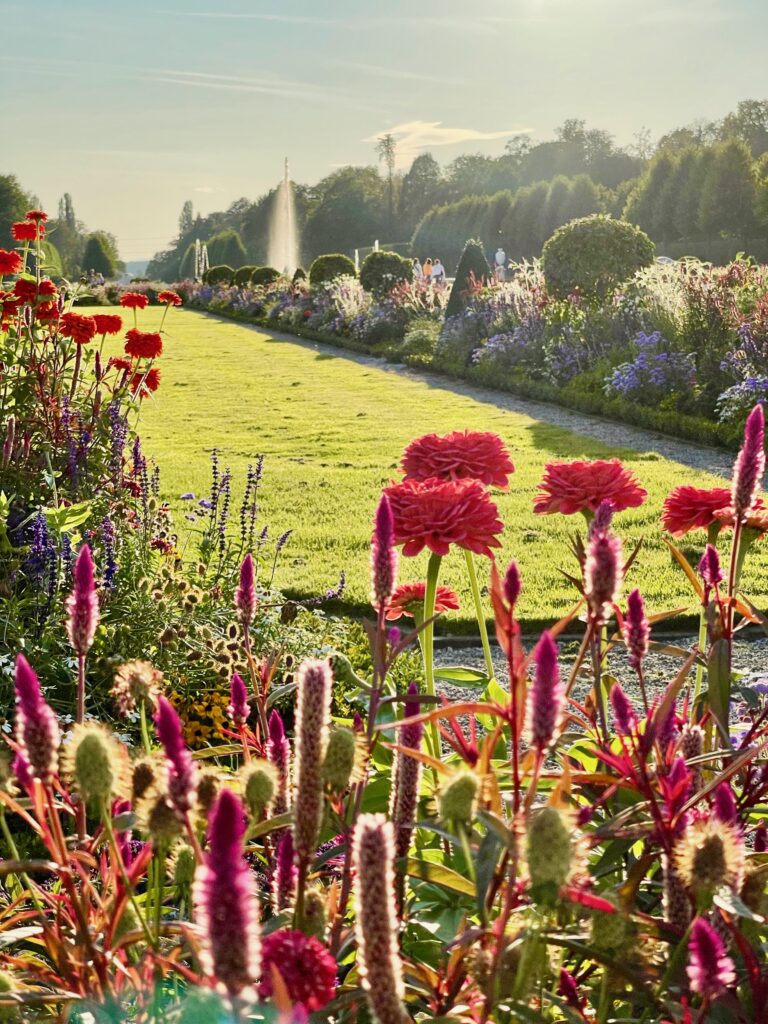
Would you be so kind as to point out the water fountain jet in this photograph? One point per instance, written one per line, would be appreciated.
(283, 248)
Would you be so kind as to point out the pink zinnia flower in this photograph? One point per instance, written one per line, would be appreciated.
(384, 556)
(547, 695)
(226, 902)
(83, 605)
(37, 729)
(750, 464)
(408, 599)
(245, 595)
(438, 513)
(710, 970)
(579, 486)
(182, 773)
(305, 966)
(692, 508)
(460, 455)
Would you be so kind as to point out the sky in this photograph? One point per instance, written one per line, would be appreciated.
(135, 107)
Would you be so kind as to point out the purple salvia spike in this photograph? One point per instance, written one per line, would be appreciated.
(37, 729)
(182, 773)
(83, 605)
(750, 464)
(384, 556)
(547, 695)
(227, 908)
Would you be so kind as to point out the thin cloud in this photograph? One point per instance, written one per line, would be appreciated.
(289, 19)
(414, 137)
(399, 74)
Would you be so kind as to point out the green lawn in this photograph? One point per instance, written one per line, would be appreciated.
(333, 431)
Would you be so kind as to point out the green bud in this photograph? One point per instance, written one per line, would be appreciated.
(259, 785)
(609, 932)
(549, 848)
(8, 986)
(314, 913)
(182, 865)
(93, 758)
(339, 760)
(457, 797)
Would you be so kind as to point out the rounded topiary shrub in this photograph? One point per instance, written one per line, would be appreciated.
(299, 274)
(381, 271)
(242, 276)
(264, 275)
(332, 265)
(221, 274)
(472, 264)
(593, 255)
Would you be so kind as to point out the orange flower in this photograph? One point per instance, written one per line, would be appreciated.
(10, 262)
(409, 597)
(145, 383)
(437, 513)
(143, 344)
(169, 298)
(37, 215)
(107, 323)
(693, 508)
(81, 329)
(26, 230)
(755, 519)
(134, 300)
(462, 454)
(578, 486)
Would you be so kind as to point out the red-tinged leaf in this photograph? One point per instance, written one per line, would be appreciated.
(685, 565)
(452, 711)
(418, 755)
(588, 899)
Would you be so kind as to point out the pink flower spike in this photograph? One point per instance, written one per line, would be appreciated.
(547, 695)
(709, 567)
(182, 774)
(725, 805)
(513, 584)
(37, 728)
(238, 703)
(245, 595)
(623, 712)
(384, 556)
(710, 970)
(637, 631)
(750, 464)
(602, 573)
(83, 605)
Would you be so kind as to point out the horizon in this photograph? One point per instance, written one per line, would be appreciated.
(320, 88)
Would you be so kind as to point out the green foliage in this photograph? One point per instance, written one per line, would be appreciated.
(226, 248)
(381, 271)
(473, 266)
(14, 203)
(418, 346)
(242, 276)
(593, 255)
(187, 267)
(220, 274)
(98, 258)
(326, 268)
(299, 274)
(265, 275)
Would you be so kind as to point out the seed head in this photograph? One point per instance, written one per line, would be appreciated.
(457, 797)
(258, 780)
(550, 848)
(96, 762)
(340, 757)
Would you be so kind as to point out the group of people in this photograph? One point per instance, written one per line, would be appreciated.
(430, 272)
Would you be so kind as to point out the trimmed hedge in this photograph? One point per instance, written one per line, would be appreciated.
(221, 274)
(242, 276)
(472, 262)
(381, 271)
(593, 256)
(330, 266)
(264, 275)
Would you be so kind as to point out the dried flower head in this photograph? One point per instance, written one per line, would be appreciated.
(136, 682)
(182, 865)
(710, 854)
(97, 763)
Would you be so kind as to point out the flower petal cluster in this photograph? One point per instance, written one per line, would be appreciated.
(305, 966)
(570, 487)
(460, 455)
(143, 344)
(134, 300)
(408, 599)
(437, 513)
(693, 508)
(81, 329)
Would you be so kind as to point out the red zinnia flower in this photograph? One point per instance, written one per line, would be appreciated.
(693, 508)
(81, 329)
(106, 323)
(26, 230)
(169, 298)
(462, 454)
(143, 344)
(305, 966)
(47, 312)
(134, 300)
(47, 289)
(118, 363)
(437, 513)
(571, 487)
(148, 382)
(410, 596)
(36, 215)
(10, 262)
(25, 290)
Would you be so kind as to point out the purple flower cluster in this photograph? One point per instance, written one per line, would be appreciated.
(654, 372)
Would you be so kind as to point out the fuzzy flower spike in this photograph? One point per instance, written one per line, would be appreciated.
(37, 730)
(750, 464)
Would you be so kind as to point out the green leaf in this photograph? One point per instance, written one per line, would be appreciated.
(461, 675)
(719, 678)
(733, 904)
(66, 518)
(440, 875)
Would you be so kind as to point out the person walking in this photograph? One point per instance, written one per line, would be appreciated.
(427, 270)
(438, 274)
(418, 273)
(500, 259)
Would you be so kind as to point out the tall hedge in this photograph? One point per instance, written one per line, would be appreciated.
(264, 275)
(97, 257)
(593, 255)
(220, 274)
(227, 248)
(471, 262)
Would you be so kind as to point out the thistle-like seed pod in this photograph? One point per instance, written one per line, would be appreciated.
(37, 730)
(227, 908)
(258, 779)
(182, 865)
(384, 556)
(146, 773)
(406, 778)
(312, 717)
(8, 986)
(549, 847)
(750, 464)
(709, 855)
(315, 913)
(381, 971)
(161, 820)
(457, 798)
(96, 762)
(82, 605)
(610, 933)
(340, 759)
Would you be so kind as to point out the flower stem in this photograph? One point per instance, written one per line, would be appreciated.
(427, 640)
(479, 614)
(145, 740)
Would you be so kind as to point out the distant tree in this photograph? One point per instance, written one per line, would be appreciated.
(728, 192)
(420, 190)
(749, 122)
(386, 148)
(472, 263)
(642, 144)
(761, 190)
(683, 197)
(583, 199)
(226, 249)
(187, 265)
(643, 205)
(67, 211)
(186, 219)
(97, 257)
(349, 211)
(553, 210)
(14, 203)
(469, 174)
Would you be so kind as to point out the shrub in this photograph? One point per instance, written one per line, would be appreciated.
(265, 275)
(381, 271)
(299, 274)
(98, 258)
(472, 264)
(419, 343)
(221, 274)
(242, 276)
(332, 265)
(593, 255)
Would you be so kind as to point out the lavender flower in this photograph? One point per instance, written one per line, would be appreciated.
(710, 971)
(238, 705)
(637, 631)
(182, 774)
(384, 556)
(245, 595)
(37, 730)
(83, 605)
(312, 716)
(750, 464)
(227, 908)
(379, 964)
(108, 537)
(547, 695)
